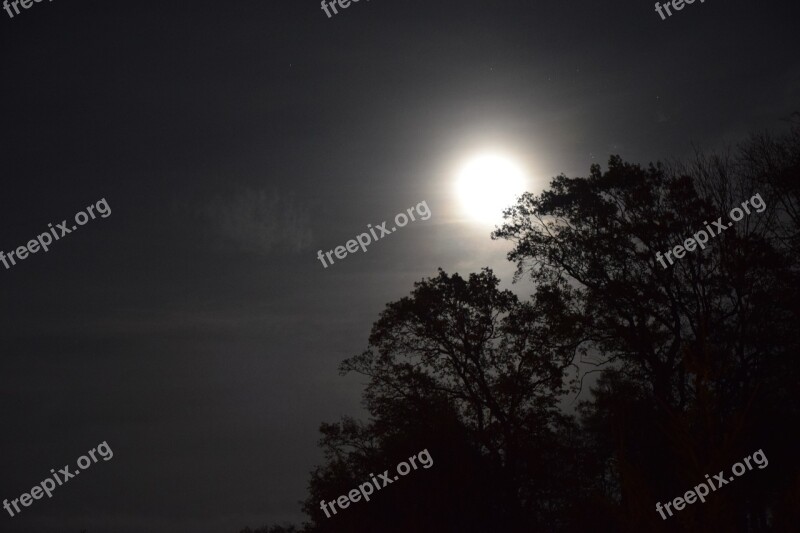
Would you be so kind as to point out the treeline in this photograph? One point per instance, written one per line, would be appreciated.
(696, 364)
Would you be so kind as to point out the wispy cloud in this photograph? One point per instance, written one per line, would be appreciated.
(259, 221)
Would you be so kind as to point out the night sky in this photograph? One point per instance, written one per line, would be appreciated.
(194, 329)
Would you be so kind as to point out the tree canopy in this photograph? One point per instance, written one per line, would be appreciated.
(694, 363)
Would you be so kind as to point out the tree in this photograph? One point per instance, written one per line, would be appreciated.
(697, 340)
(470, 372)
(696, 359)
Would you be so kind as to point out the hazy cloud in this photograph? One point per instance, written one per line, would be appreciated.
(259, 221)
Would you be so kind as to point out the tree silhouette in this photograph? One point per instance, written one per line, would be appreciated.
(696, 364)
(471, 373)
(692, 346)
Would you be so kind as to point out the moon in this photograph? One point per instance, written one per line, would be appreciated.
(487, 184)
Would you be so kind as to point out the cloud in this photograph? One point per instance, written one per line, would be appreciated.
(259, 221)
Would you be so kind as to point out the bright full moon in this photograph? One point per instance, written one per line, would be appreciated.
(487, 185)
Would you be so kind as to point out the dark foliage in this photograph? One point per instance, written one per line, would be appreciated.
(695, 364)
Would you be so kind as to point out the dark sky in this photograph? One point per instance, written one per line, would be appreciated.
(194, 329)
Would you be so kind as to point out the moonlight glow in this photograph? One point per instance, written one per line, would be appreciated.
(487, 185)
